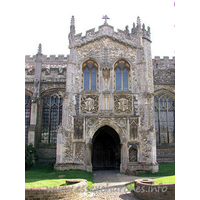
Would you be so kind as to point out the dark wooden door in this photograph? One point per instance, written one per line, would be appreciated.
(105, 152)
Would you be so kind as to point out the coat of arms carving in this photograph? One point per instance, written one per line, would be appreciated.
(123, 103)
(89, 104)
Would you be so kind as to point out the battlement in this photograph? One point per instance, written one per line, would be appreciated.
(126, 37)
(104, 30)
(46, 58)
(163, 63)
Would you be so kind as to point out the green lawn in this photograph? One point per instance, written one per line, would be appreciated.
(166, 170)
(47, 176)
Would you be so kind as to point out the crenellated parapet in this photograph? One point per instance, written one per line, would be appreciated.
(132, 39)
(164, 70)
(104, 30)
(53, 68)
(163, 63)
(45, 58)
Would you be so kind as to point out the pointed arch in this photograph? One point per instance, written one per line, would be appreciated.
(51, 116)
(122, 72)
(164, 112)
(90, 75)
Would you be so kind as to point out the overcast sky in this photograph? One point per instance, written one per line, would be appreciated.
(48, 22)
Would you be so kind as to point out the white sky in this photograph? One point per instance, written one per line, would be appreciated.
(48, 22)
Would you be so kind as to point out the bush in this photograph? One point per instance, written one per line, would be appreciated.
(30, 156)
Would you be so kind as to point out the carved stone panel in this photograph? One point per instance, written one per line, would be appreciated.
(132, 155)
(123, 104)
(78, 128)
(89, 103)
(133, 123)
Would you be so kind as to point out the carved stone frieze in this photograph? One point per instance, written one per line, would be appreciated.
(46, 86)
(89, 103)
(123, 104)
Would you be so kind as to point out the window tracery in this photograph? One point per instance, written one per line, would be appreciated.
(122, 69)
(164, 118)
(90, 74)
(51, 118)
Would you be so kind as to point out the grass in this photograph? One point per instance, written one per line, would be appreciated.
(162, 180)
(47, 176)
(165, 180)
(167, 170)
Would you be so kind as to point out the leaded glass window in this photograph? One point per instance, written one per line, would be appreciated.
(51, 118)
(121, 75)
(27, 116)
(86, 79)
(164, 118)
(90, 75)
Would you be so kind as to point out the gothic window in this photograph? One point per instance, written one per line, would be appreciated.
(132, 154)
(164, 118)
(90, 75)
(27, 116)
(121, 75)
(51, 118)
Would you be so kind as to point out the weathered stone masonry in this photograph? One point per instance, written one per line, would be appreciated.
(126, 106)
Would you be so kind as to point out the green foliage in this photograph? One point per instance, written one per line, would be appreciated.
(30, 156)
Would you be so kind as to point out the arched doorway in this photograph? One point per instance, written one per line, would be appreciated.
(106, 149)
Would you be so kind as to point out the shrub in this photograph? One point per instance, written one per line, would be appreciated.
(30, 156)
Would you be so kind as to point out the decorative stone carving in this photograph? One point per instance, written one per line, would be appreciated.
(133, 123)
(78, 128)
(123, 104)
(132, 154)
(89, 103)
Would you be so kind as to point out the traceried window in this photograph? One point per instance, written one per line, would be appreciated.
(164, 118)
(51, 118)
(90, 75)
(27, 116)
(121, 75)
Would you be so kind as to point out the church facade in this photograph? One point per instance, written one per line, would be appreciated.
(106, 105)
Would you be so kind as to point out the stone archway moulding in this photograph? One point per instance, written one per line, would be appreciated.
(105, 122)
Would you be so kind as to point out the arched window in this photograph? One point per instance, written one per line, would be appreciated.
(121, 75)
(90, 75)
(27, 116)
(164, 118)
(51, 118)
